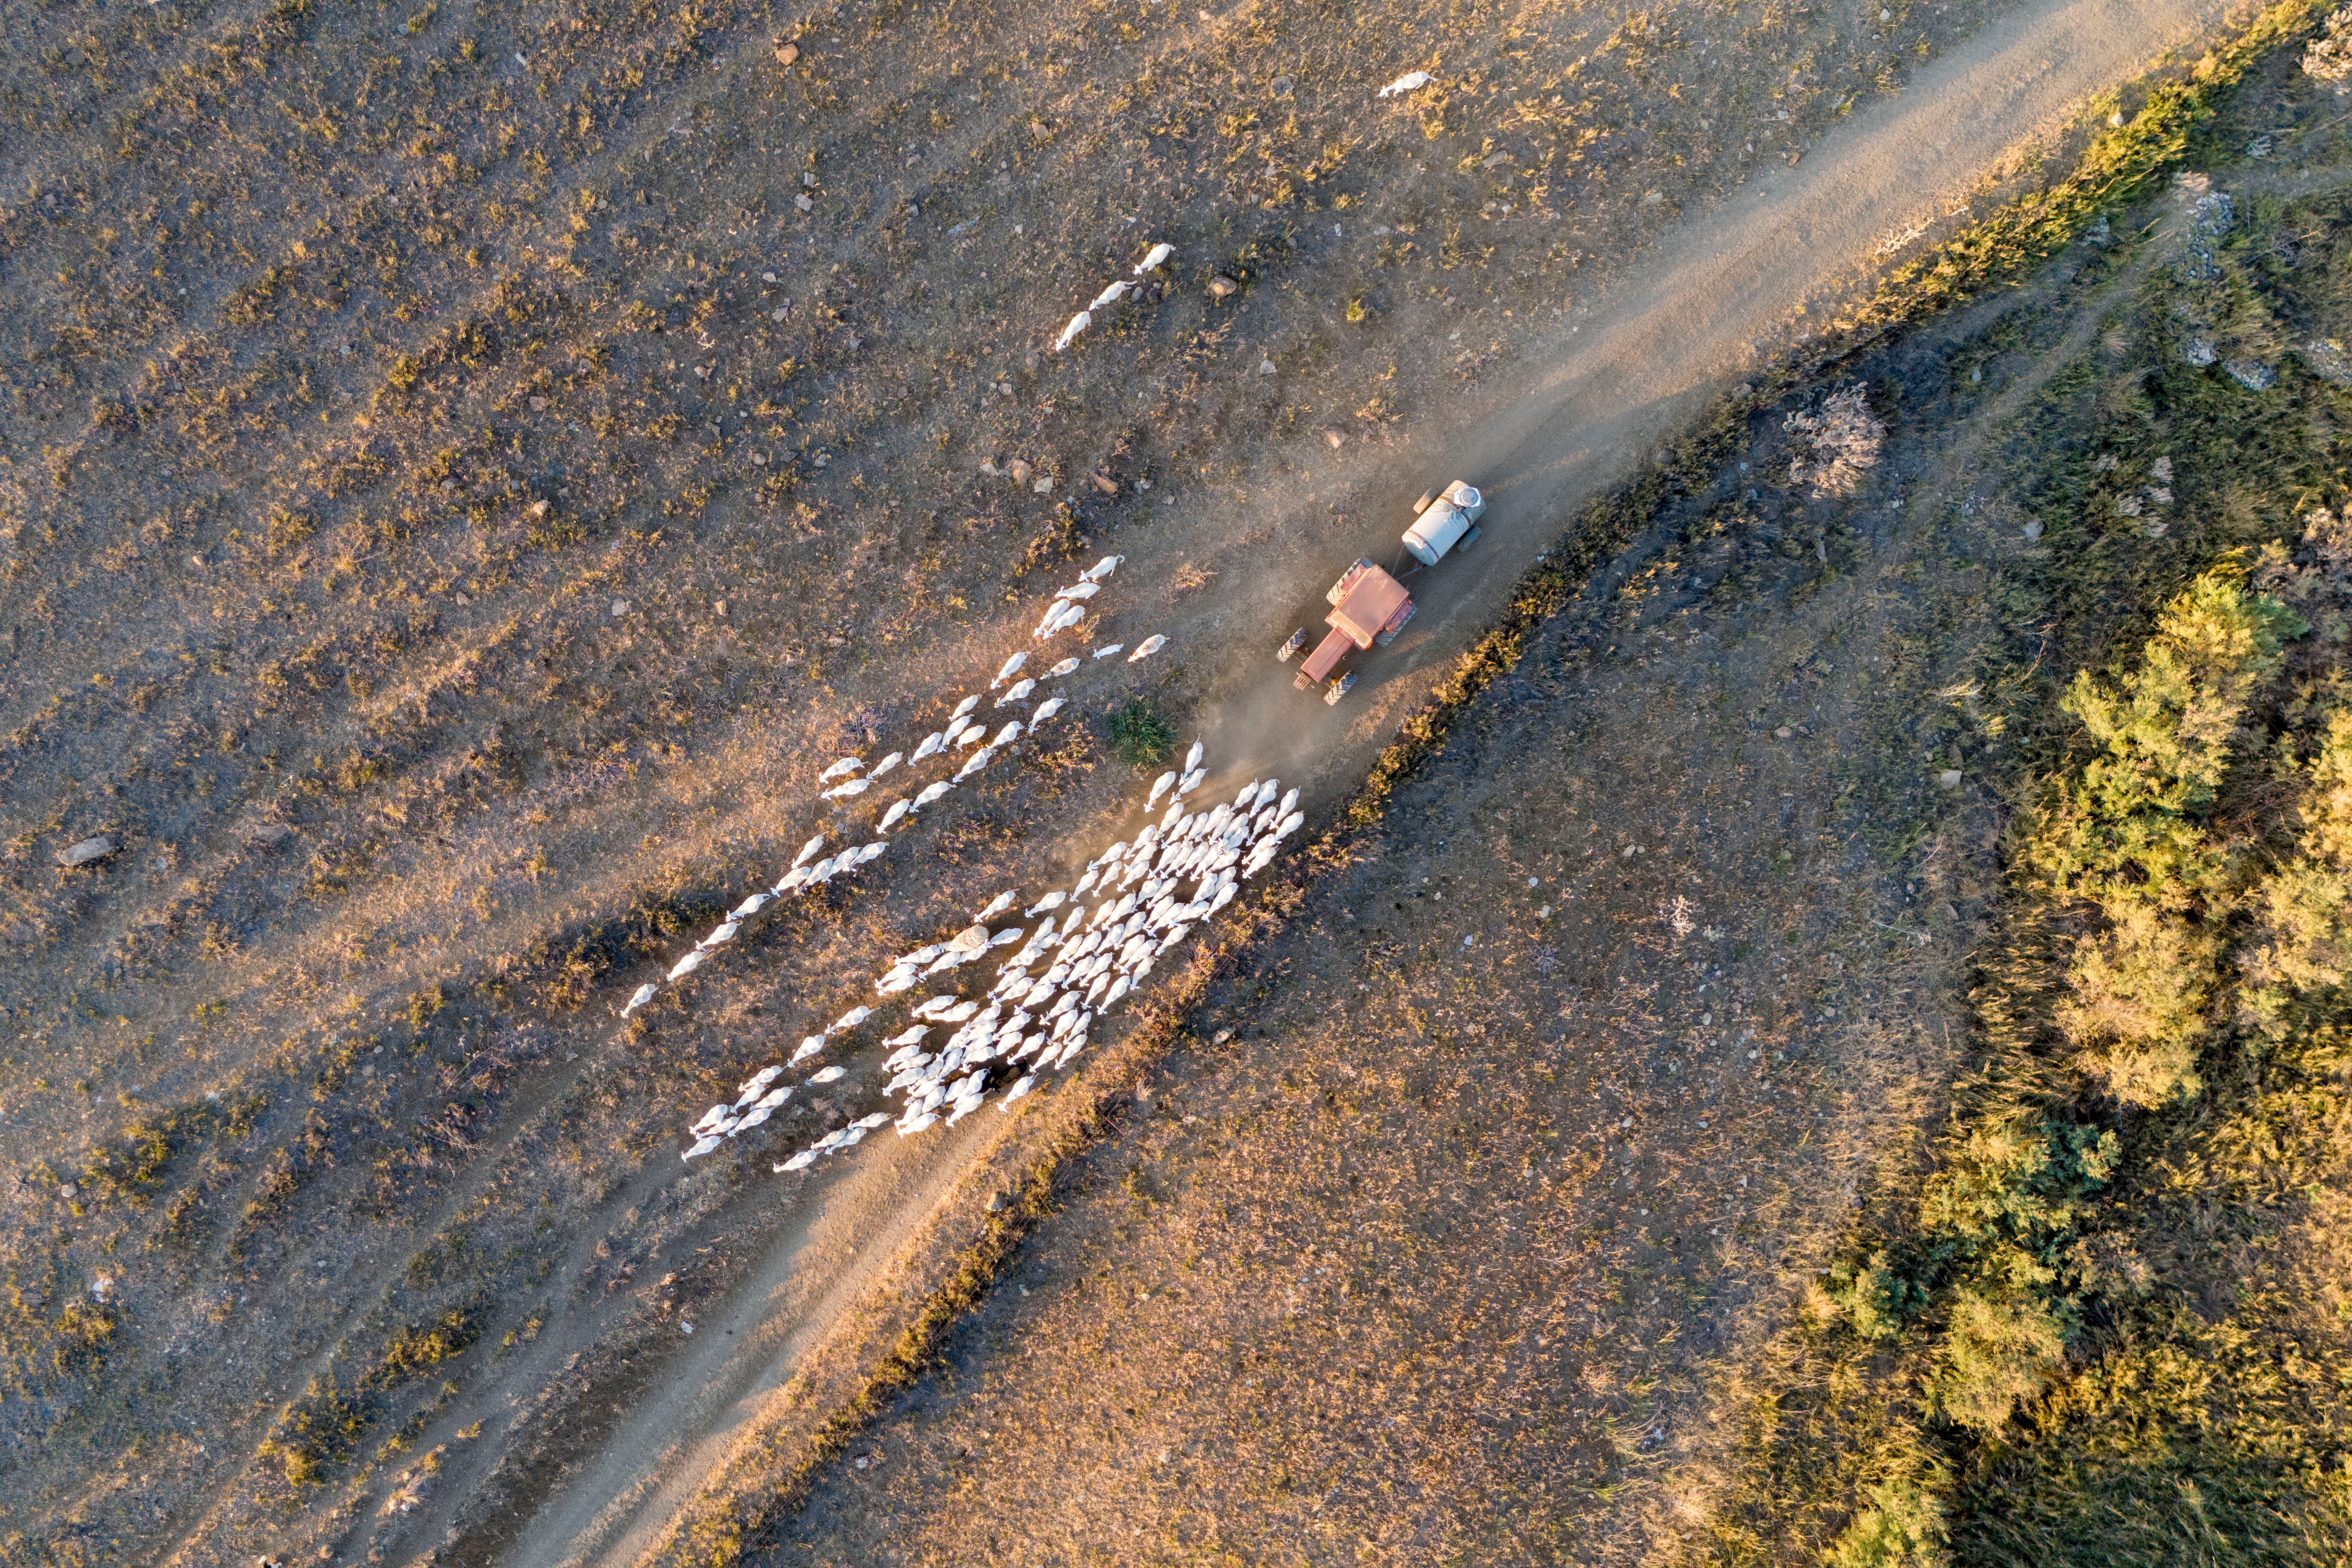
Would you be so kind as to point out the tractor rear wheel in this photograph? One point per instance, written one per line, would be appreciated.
(1341, 688)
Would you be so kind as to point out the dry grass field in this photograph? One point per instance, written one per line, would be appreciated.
(462, 469)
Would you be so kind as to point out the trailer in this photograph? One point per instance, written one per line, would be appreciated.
(1370, 605)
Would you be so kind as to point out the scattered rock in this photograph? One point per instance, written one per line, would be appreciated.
(1018, 470)
(2251, 375)
(102, 1288)
(1222, 287)
(2129, 506)
(1334, 437)
(2329, 360)
(1783, 733)
(803, 202)
(1222, 1036)
(2033, 531)
(620, 609)
(87, 850)
(2211, 214)
(809, 179)
(2329, 57)
(1104, 483)
(1792, 159)
(539, 405)
(2161, 470)
(780, 313)
(823, 459)
(997, 1203)
(1950, 778)
(2197, 351)
(719, 608)
(786, 51)
(1265, 367)
(68, 1190)
(758, 460)
(272, 833)
(1282, 85)
(539, 509)
(1043, 487)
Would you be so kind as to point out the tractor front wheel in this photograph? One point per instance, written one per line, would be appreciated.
(1289, 649)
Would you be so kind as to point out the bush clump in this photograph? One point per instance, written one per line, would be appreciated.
(1141, 735)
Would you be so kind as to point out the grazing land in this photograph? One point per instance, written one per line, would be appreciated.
(461, 473)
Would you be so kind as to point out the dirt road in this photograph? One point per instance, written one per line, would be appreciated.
(1589, 396)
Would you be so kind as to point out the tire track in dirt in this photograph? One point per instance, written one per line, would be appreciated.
(289, 1377)
(1631, 373)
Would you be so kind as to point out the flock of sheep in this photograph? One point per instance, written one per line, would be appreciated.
(1032, 1017)
(1074, 968)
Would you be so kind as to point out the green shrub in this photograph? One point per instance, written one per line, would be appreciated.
(2127, 836)
(1877, 1298)
(1141, 735)
(1900, 1526)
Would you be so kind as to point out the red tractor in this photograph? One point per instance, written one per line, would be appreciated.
(1370, 605)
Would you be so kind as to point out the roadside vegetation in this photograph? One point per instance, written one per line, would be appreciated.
(2107, 1324)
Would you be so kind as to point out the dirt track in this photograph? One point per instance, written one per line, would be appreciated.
(1598, 390)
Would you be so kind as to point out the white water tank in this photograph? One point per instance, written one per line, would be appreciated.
(1442, 525)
